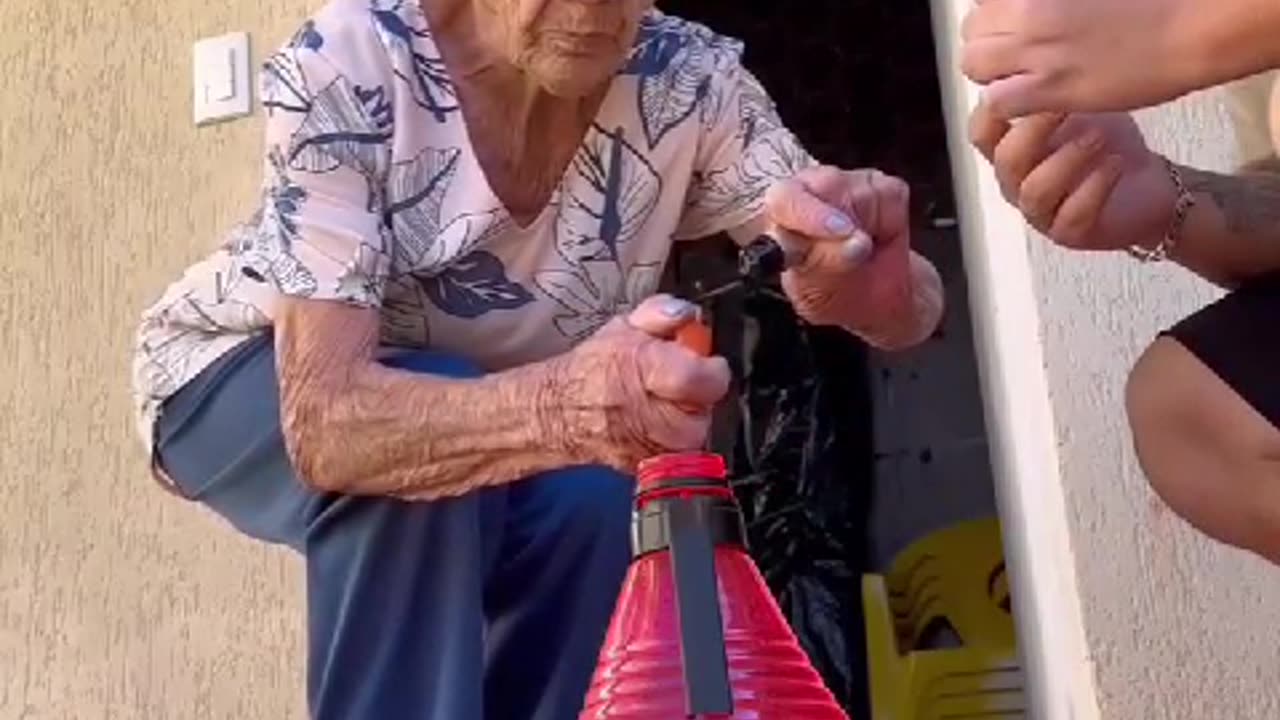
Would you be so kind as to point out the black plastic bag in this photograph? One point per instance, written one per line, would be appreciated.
(802, 471)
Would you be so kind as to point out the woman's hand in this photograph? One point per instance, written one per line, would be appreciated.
(630, 391)
(848, 235)
(1088, 182)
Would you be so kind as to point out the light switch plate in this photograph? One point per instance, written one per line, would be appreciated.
(221, 82)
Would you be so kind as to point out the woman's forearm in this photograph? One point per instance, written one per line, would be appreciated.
(355, 426)
(413, 436)
(1233, 231)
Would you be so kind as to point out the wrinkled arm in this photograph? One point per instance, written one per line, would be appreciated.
(355, 426)
(1233, 232)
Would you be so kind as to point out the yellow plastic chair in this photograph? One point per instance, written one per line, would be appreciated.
(956, 576)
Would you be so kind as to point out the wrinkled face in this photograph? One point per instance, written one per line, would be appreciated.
(569, 47)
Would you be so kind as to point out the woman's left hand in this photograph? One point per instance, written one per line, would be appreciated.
(848, 235)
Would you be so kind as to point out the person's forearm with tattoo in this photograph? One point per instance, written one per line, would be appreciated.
(1233, 232)
(1089, 182)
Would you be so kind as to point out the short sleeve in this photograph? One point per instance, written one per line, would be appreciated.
(328, 136)
(744, 149)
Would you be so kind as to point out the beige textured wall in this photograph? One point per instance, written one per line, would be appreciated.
(116, 600)
(1177, 627)
(1248, 101)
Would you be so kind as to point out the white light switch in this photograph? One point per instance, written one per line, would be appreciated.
(221, 78)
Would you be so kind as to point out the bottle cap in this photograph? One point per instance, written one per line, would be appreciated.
(689, 469)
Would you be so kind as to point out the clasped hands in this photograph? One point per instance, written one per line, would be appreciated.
(630, 391)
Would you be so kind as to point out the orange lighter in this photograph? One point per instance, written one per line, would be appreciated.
(759, 262)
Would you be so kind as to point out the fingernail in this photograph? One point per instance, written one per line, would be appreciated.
(857, 248)
(839, 224)
(676, 308)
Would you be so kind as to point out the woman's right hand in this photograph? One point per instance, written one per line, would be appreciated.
(630, 391)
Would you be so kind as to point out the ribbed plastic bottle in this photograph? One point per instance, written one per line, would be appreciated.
(696, 633)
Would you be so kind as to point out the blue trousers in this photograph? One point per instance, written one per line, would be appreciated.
(491, 606)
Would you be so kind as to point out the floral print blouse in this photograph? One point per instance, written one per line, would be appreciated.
(374, 197)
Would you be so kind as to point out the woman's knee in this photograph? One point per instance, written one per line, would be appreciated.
(589, 502)
(1204, 449)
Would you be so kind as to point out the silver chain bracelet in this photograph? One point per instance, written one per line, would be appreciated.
(1181, 210)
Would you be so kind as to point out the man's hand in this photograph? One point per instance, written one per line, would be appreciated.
(848, 234)
(1086, 181)
(1107, 55)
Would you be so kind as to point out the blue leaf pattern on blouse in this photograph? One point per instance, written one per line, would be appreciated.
(365, 275)
(593, 293)
(769, 152)
(404, 313)
(475, 285)
(338, 132)
(614, 191)
(284, 86)
(308, 37)
(730, 189)
(266, 254)
(672, 62)
(426, 76)
(415, 193)
(376, 106)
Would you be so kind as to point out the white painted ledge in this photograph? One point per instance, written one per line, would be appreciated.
(1019, 414)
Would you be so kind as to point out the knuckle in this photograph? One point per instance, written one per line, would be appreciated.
(780, 195)
(1003, 104)
(689, 433)
(720, 373)
(1071, 236)
(1033, 198)
(1070, 226)
(655, 300)
(894, 187)
(971, 63)
(615, 326)
(824, 178)
(682, 377)
(977, 129)
(1010, 150)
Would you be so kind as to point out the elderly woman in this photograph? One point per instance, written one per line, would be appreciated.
(431, 361)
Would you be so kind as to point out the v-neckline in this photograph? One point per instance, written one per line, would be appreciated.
(469, 151)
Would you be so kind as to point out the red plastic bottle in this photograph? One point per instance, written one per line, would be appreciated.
(696, 633)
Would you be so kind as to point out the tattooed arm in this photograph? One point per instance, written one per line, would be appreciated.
(1233, 232)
